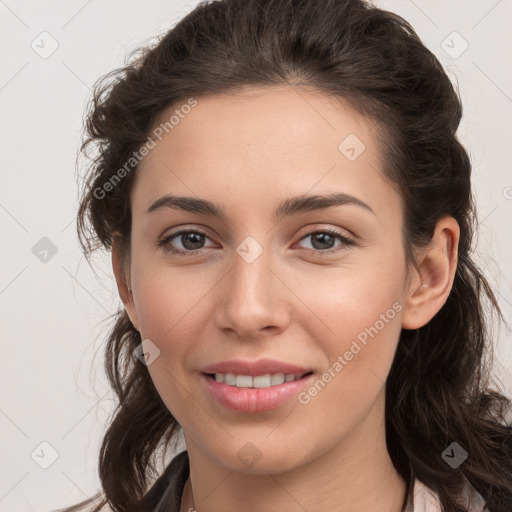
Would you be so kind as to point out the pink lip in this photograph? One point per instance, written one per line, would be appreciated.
(253, 368)
(255, 400)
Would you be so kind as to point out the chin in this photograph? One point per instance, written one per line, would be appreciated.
(255, 458)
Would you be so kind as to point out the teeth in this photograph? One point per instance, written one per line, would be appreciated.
(260, 381)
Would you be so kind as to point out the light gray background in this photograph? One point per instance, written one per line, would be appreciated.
(54, 315)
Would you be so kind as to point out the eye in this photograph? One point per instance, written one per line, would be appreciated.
(190, 240)
(323, 240)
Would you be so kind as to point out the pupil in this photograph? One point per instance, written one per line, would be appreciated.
(186, 237)
(322, 237)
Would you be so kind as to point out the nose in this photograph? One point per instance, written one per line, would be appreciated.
(254, 300)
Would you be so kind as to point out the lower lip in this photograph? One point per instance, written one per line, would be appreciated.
(255, 399)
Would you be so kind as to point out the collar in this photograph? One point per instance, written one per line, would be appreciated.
(419, 497)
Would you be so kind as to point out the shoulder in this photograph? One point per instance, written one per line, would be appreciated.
(164, 494)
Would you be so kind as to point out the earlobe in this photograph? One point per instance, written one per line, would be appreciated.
(122, 277)
(433, 280)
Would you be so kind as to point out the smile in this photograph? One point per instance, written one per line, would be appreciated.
(260, 381)
(244, 395)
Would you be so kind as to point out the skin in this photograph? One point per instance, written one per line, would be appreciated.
(249, 151)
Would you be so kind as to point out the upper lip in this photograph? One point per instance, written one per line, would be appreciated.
(254, 368)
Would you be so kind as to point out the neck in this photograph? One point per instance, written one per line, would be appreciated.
(355, 475)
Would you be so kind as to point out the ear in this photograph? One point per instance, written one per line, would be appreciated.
(432, 282)
(122, 274)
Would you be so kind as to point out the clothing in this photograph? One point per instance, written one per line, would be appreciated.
(419, 499)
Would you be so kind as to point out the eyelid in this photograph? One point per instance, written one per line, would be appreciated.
(328, 228)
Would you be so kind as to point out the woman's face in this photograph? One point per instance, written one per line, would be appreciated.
(254, 285)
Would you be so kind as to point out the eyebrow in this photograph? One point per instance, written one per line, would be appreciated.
(286, 208)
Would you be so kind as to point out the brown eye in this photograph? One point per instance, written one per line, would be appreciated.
(191, 242)
(323, 241)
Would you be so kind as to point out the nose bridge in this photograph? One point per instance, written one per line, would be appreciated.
(251, 299)
(250, 267)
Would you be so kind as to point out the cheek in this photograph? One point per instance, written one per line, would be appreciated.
(169, 300)
(171, 318)
(360, 357)
(346, 301)
(355, 318)
(172, 323)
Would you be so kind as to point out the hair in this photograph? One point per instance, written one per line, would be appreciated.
(438, 389)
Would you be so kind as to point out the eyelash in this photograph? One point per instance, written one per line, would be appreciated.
(346, 242)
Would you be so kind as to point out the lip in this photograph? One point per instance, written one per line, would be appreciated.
(255, 400)
(254, 368)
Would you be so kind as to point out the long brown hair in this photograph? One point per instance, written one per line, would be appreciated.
(438, 390)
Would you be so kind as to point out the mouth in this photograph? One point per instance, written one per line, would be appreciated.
(255, 394)
(266, 380)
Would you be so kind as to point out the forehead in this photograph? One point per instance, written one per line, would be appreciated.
(277, 116)
(262, 142)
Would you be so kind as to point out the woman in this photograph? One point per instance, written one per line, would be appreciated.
(290, 217)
